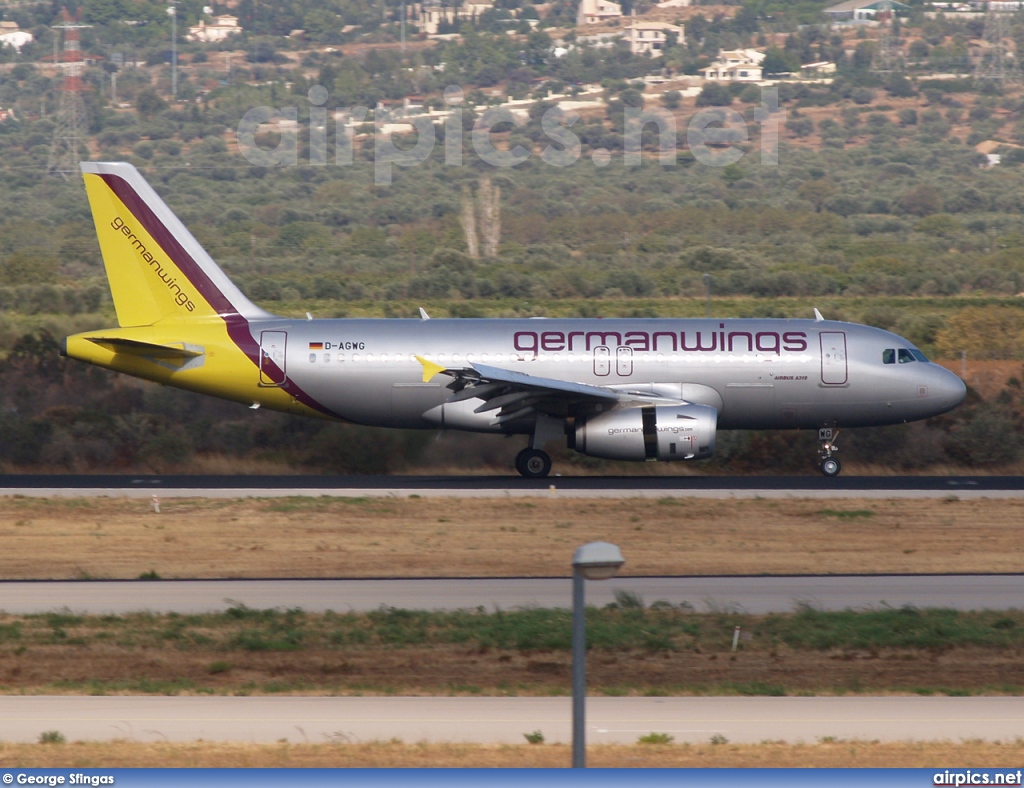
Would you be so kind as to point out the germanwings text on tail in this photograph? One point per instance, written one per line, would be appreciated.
(624, 389)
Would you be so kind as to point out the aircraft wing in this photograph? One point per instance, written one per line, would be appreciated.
(517, 394)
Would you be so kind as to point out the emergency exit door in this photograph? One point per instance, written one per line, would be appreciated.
(833, 357)
(273, 346)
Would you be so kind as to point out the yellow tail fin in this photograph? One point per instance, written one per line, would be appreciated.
(156, 268)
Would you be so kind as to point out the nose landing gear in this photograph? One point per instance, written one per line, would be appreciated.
(829, 465)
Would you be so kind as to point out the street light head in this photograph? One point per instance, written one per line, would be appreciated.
(598, 560)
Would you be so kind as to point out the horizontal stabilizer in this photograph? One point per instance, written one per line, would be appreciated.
(153, 350)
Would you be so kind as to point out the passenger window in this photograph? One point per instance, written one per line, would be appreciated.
(889, 356)
(906, 356)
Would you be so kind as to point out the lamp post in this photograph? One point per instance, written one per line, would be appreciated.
(593, 561)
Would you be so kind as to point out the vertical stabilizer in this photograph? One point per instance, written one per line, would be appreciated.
(156, 268)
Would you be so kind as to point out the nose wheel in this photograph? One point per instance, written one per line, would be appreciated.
(830, 466)
(533, 463)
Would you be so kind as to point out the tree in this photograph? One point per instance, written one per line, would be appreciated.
(714, 94)
(988, 332)
(148, 103)
(900, 87)
(923, 200)
(816, 192)
(800, 127)
(863, 55)
(779, 61)
(670, 100)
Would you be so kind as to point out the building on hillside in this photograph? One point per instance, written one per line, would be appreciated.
(863, 10)
(600, 41)
(220, 29)
(675, 4)
(821, 70)
(431, 14)
(594, 12)
(736, 65)
(651, 38)
(15, 38)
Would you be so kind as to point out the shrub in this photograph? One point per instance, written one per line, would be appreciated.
(656, 738)
(862, 96)
(714, 95)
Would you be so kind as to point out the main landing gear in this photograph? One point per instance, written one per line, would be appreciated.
(533, 463)
(830, 466)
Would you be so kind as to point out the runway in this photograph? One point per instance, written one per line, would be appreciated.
(757, 595)
(505, 720)
(514, 486)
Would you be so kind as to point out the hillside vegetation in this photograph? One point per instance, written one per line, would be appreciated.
(877, 211)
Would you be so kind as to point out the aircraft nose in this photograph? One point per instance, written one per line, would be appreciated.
(946, 389)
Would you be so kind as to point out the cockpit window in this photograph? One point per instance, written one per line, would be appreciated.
(904, 355)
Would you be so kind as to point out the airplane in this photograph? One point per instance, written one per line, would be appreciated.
(621, 389)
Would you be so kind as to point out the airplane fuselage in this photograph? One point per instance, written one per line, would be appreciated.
(758, 373)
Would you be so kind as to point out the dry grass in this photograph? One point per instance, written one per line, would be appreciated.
(349, 537)
(127, 754)
(459, 671)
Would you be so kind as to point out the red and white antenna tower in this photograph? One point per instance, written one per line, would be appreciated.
(69, 136)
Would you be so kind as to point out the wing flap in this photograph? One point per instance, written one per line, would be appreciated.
(517, 395)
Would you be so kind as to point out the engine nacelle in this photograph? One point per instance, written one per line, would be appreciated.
(653, 432)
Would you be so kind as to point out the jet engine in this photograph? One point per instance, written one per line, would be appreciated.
(652, 432)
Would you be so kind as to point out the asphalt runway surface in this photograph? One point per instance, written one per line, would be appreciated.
(489, 486)
(756, 595)
(506, 720)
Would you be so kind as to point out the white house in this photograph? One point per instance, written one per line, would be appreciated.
(593, 12)
(431, 14)
(863, 10)
(220, 29)
(736, 65)
(16, 39)
(651, 37)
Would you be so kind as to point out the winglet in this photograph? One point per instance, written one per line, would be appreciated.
(430, 369)
(817, 315)
(423, 314)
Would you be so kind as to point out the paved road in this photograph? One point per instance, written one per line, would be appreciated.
(505, 720)
(749, 594)
(489, 486)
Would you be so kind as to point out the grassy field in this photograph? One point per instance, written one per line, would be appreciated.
(634, 650)
(833, 754)
(82, 538)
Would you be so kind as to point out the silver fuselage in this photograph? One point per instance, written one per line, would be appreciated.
(758, 373)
